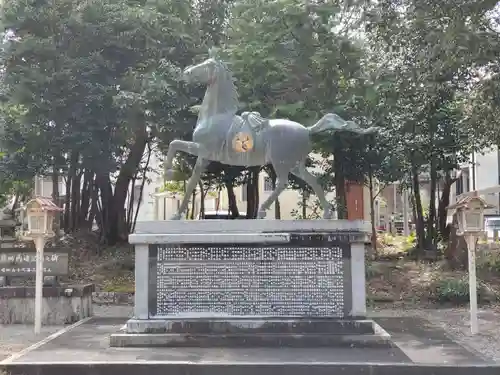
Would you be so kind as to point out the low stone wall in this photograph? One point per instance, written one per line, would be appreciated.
(61, 304)
(113, 298)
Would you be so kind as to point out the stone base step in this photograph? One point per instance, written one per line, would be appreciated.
(212, 326)
(248, 340)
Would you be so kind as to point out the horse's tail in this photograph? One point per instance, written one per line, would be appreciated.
(334, 122)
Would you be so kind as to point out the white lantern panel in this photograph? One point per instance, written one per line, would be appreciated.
(461, 221)
(473, 220)
(37, 223)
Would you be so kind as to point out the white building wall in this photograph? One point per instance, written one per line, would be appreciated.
(486, 169)
(43, 186)
(481, 172)
(153, 182)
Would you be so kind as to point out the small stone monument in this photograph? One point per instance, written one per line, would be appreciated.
(62, 304)
(41, 214)
(469, 211)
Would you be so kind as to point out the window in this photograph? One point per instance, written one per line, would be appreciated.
(268, 184)
(459, 186)
(244, 192)
(467, 180)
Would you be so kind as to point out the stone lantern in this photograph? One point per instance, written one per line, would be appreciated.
(41, 213)
(470, 218)
(470, 214)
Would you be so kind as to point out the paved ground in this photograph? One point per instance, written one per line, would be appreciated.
(422, 336)
(90, 342)
(455, 324)
(416, 342)
(14, 338)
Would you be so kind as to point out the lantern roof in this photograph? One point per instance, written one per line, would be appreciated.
(468, 201)
(45, 204)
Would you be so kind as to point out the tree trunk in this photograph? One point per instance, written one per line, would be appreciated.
(55, 198)
(340, 191)
(444, 202)
(95, 213)
(75, 201)
(253, 186)
(277, 207)
(67, 200)
(456, 253)
(372, 212)
(413, 209)
(431, 217)
(141, 190)
(193, 204)
(117, 224)
(420, 226)
(231, 198)
(86, 195)
(131, 201)
(105, 203)
(15, 204)
(203, 194)
(305, 197)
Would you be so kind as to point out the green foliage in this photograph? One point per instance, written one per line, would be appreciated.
(313, 210)
(454, 291)
(87, 85)
(174, 187)
(410, 242)
(490, 262)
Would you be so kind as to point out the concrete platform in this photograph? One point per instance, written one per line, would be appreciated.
(84, 349)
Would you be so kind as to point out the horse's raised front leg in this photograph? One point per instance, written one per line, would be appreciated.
(302, 172)
(281, 183)
(174, 147)
(198, 169)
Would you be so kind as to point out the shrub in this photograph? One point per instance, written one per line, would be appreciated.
(454, 291)
(409, 242)
(490, 262)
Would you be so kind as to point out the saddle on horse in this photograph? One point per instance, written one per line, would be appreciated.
(255, 121)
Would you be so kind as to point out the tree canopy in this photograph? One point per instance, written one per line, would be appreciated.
(91, 88)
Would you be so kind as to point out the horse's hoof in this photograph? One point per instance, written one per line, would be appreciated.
(261, 215)
(327, 215)
(176, 217)
(169, 174)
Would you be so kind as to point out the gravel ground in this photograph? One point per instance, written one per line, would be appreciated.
(455, 322)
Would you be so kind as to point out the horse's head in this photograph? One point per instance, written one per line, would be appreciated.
(206, 72)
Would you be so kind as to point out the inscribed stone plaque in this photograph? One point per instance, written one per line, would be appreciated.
(22, 262)
(302, 278)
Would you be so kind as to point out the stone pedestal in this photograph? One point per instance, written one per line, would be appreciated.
(257, 283)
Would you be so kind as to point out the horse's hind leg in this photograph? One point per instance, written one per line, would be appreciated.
(281, 183)
(302, 172)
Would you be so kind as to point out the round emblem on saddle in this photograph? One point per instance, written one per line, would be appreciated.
(242, 142)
